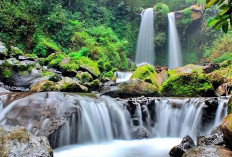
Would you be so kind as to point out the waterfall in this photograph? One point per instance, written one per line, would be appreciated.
(122, 76)
(94, 120)
(145, 44)
(174, 47)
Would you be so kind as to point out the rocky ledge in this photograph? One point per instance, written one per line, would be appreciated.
(16, 141)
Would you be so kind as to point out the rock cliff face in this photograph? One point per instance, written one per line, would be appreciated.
(196, 12)
(16, 141)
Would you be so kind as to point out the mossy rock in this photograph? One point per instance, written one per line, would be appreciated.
(145, 73)
(15, 52)
(73, 87)
(84, 77)
(55, 78)
(43, 86)
(189, 68)
(94, 85)
(133, 88)
(70, 85)
(191, 85)
(227, 130)
(89, 65)
(108, 76)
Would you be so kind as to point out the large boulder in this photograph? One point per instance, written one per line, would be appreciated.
(16, 141)
(71, 85)
(43, 86)
(15, 51)
(187, 84)
(224, 89)
(132, 88)
(208, 151)
(215, 138)
(145, 73)
(3, 50)
(89, 65)
(227, 130)
(229, 105)
(186, 144)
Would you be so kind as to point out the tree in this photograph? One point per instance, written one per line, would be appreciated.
(223, 19)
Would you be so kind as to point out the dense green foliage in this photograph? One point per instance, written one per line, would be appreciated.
(222, 19)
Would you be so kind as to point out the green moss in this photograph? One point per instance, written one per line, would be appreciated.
(20, 134)
(109, 76)
(32, 56)
(145, 73)
(84, 77)
(15, 52)
(89, 65)
(73, 87)
(6, 73)
(48, 86)
(187, 85)
(55, 78)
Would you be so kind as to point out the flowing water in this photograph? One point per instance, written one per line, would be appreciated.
(122, 76)
(106, 127)
(174, 47)
(145, 44)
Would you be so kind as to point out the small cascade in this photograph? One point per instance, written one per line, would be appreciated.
(122, 76)
(69, 118)
(178, 117)
(145, 44)
(174, 47)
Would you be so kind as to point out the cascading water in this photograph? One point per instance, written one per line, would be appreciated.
(122, 76)
(145, 44)
(174, 47)
(95, 120)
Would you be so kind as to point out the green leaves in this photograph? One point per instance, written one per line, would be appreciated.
(221, 20)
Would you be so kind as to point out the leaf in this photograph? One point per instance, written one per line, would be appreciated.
(213, 22)
(210, 3)
(225, 26)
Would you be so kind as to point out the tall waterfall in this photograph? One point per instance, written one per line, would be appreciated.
(174, 47)
(145, 44)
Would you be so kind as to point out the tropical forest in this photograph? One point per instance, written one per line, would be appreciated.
(115, 78)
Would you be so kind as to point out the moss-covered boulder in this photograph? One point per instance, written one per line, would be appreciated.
(17, 141)
(84, 77)
(3, 50)
(89, 65)
(132, 88)
(184, 84)
(227, 129)
(43, 86)
(70, 85)
(145, 73)
(15, 52)
(94, 85)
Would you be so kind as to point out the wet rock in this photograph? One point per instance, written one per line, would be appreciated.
(209, 111)
(16, 141)
(224, 89)
(227, 130)
(186, 144)
(215, 138)
(3, 90)
(43, 86)
(208, 151)
(71, 85)
(132, 88)
(3, 50)
(41, 113)
(140, 133)
(23, 58)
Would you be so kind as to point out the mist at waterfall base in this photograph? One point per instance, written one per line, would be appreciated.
(105, 127)
(145, 43)
(174, 47)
